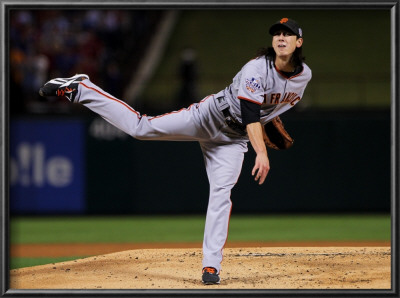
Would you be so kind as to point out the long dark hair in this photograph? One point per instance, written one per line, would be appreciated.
(297, 57)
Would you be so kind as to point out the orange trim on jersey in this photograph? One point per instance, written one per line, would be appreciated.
(112, 98)
(183, 109)
(283, 75)
(248, 99)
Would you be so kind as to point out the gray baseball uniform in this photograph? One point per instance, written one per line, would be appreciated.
(223, 147)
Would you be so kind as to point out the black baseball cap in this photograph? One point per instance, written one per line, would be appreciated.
(286, 23)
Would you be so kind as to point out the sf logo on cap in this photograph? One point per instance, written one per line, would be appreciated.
(284, 20)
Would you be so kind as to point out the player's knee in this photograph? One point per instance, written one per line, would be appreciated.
(222, 190)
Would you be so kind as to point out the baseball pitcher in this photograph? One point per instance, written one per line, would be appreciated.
(223, 123)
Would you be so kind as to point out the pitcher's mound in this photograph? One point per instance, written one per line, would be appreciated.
(242, 268)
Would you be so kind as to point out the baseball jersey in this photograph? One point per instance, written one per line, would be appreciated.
(260, 82)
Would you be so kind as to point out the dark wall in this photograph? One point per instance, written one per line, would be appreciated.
(340, 163)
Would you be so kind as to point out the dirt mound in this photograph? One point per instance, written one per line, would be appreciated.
(242, 268)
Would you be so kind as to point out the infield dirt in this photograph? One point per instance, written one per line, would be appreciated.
(242, 268)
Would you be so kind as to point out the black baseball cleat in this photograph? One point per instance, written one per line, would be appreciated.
(67, 87)
(210, 276)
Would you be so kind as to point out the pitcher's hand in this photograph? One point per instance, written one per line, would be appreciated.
(261, 167)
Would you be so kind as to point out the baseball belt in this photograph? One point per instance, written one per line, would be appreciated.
(230, 120)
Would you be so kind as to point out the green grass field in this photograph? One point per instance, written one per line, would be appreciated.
(139, 229)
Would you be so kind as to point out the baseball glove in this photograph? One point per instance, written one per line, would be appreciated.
(276, 137)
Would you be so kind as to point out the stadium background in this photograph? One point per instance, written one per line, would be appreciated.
(66, 161)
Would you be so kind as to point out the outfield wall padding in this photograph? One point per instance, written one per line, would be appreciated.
(340, 162)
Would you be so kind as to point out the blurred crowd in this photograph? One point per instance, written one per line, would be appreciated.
(105, 44)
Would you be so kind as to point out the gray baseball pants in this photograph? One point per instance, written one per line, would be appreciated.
(223, 151)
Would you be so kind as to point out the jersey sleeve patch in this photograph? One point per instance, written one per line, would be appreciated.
(252, 84)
